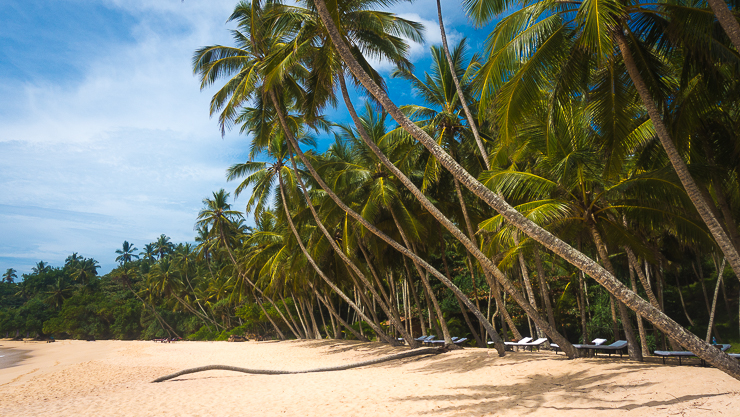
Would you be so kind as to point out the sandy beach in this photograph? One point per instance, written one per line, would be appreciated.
(112, 378)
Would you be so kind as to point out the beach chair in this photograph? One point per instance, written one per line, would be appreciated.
(420, 338)
(436, 342)
(618, 346)
(461, 340)
(536, 344)
(686, 354)
(521, 342)
(427, 339)
(556, 348)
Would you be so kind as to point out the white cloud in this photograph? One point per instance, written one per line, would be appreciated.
(129, 144)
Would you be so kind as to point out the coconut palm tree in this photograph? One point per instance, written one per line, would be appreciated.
(126, 253)
(10, 275)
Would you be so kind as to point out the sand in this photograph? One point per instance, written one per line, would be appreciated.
(112, 378)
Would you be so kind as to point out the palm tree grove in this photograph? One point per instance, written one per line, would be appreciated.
(569, 172)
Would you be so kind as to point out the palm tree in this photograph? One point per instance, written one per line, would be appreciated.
(10, 275)
(85, 270)
(40, 267)
(149, 252)
(573, 256)
(163, 246)
(585, 33)
(126, 253)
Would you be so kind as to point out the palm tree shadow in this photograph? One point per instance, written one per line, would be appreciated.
(538, 391)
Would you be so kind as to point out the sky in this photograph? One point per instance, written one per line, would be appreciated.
(105, 135)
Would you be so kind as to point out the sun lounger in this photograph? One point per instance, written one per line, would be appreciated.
(536, 344)
(597, 342)
(460, 340)
(420, 338)
(522, 340)
(686, 354)
(618, 346)
(442, 341)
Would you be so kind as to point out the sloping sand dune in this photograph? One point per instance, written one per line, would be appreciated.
(112, 378)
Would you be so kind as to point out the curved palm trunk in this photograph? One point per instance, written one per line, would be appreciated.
(255, 288)
(727, 20)
(603, 277)
(692, 190)
(640, 324)
(394, 318)
(527, 284)
(543, 287)
(629, 332)
(425, 280)
(190, 308)
(354, 332)
(478, 341)
(714, 301)
(295, 325)
(415, 295)
(318, 270)
(460, 95)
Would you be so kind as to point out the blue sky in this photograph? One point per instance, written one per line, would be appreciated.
(104, 133)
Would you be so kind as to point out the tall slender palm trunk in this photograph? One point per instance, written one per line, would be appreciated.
(624, 294)
(632, 347)
(692, 190)
(727, 20)
(460, 95)
(336, 315)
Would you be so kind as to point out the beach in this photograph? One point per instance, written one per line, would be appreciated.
(113, 378)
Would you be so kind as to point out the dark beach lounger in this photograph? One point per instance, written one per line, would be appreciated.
(686, 354)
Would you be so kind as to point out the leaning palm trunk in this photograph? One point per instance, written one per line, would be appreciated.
(714, 301)
(640, 324)
(394, 318)
(543, 287)
(204, 318)
(527, 283)
(318, 270)
(634, 352)
(727, 20)
(607, 280)
(354, 332)
(257, 289)
(463, 102)
(692, 190)
(486, 263)
(425, 280)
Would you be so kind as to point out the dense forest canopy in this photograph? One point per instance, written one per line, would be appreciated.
(575, 179)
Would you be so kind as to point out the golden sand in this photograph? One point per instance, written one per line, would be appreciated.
(112, 378)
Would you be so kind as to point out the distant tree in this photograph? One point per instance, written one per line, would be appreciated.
(10, 275)
(149, 252)
(40, 267)
(163, 246)
(85, 270)
(126, 253)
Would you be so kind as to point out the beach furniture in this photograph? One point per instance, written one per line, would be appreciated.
(556, 348)
(460, 340)
(536, 344)
(427, 339)
(686, 354)
(522, 340)
(618, 346)
(420, 338)
(442, 341)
